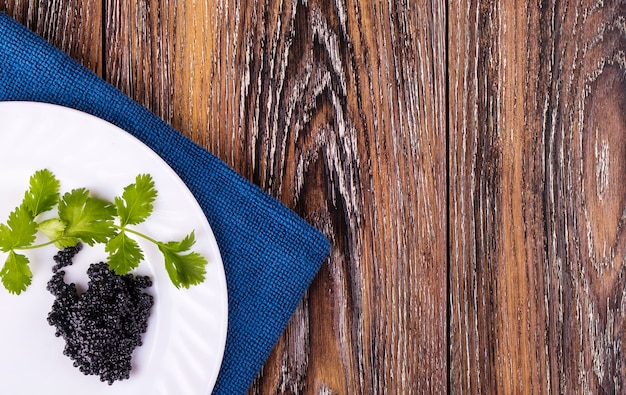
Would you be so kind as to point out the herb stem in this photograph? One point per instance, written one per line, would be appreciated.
(32, 247)
(124, 229)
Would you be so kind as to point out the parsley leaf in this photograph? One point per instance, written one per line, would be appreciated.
(87, 218)
(43, 193)
(184, 269)
(15, 273)
(135, 205)
(124, 253)
(19, 231)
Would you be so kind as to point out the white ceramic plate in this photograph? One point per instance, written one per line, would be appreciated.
(184, 343)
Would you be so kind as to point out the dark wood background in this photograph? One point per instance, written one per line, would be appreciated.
(467, 159)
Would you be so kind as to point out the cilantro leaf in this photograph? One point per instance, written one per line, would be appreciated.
(87, 218)
(82, 217)
(43, 193)
(124, 253)
(185, 244)
(184, 269)
(15, 273)
(54, 229)
(135, 205)
(66, 241)
(19, 231)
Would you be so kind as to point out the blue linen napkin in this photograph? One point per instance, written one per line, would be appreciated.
(270, 254)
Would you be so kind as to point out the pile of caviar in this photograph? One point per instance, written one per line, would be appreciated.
(103, 325)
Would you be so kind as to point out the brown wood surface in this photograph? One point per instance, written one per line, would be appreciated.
(537, 196)
(466, 159)
(73, 26)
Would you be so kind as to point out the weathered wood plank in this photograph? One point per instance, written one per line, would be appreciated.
(73, 26)
(338, 109)
(159, 53)
(338, 77)
(538, 203)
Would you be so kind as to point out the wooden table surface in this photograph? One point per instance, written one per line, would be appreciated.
(466, 159)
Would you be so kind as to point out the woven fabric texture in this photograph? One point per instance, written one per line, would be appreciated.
(270, 254)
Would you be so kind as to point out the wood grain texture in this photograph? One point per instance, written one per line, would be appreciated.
(72, 26)
(340, 109)
(337, 109)
(538, 203)
(159, 53)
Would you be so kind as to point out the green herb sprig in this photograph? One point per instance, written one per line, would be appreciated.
(82, 217)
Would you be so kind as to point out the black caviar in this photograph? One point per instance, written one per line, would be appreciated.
(64, 257)
(103, 325)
